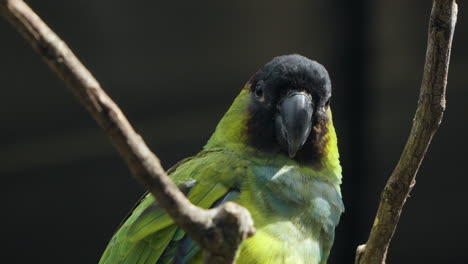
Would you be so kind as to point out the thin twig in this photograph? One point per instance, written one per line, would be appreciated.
(219, 231)
(431, 106)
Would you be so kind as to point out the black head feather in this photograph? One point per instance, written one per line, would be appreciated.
(293, 72)
(283, 75)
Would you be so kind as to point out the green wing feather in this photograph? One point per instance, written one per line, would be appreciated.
(149, 231)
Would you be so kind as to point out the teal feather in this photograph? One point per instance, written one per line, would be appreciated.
(295, 206)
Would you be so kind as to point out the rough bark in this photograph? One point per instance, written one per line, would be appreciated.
(431, 106)
(219, 231)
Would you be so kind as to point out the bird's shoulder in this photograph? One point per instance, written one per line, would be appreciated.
(208, 178)
(208, 166)
(210, 172)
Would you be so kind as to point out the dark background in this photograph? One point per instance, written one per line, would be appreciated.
(174, 67)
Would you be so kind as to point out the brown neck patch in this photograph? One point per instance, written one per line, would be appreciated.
(315, 147)
(261, 135)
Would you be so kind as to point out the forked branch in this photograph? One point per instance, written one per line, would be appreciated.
(431, 106)
(219, 231)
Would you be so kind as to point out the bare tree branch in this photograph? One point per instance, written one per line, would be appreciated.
(431, 106)
(219, 231)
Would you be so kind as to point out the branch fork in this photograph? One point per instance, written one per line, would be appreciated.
(431, 106)
(218, 231)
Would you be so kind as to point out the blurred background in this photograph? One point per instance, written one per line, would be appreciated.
(174, 67)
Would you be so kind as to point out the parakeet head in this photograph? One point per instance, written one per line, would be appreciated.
(289, 99)
(284, 108)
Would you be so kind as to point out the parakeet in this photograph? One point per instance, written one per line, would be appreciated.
(275, 153)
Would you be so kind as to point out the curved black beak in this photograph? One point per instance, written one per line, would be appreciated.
(294, 121)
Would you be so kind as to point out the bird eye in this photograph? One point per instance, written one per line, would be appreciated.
(328, 102)
(259, 91)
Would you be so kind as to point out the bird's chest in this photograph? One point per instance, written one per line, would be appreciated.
(296, 216)
(287, 193)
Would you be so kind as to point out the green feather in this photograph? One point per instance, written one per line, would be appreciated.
(150, 229)
(295, 207)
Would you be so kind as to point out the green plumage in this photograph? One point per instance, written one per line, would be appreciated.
(295, 205)
(148, 231)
